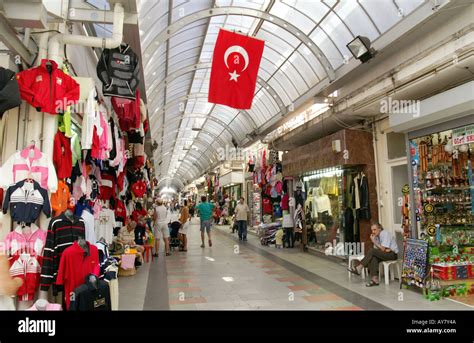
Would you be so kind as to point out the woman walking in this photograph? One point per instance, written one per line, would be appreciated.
(184, 221)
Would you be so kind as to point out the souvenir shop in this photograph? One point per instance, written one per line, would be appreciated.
(442, 189)
(333, 193)
(85, 187)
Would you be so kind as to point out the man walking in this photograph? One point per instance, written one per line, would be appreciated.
(241, 215)
(161, 227)
(205, 213)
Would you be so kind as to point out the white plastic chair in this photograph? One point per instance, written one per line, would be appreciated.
(353, 258)
(384, 267)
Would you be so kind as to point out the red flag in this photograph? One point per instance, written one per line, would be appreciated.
(234, 70)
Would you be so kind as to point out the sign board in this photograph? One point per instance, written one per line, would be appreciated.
(463, 135)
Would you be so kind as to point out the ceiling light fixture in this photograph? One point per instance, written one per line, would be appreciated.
(360, 48)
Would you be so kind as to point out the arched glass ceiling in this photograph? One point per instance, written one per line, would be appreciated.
(305, 41)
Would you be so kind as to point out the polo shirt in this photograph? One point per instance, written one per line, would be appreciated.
(75, 265)
(62, 233)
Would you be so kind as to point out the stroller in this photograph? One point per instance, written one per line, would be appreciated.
(174, 238)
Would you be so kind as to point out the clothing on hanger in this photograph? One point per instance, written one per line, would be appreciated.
(26, 200)
(62, 233)
(29, 163)
(47, 88)
(74, 266)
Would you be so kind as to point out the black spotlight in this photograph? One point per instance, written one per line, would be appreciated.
(360, 48)
(234, 142)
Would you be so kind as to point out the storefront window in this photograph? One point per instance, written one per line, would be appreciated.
(330, 209)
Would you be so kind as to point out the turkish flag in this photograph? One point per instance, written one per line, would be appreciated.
(235, 65)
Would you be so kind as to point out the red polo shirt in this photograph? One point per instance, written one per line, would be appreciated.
(75, 266)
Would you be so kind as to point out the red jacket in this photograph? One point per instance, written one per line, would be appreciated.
(49, 92)
(62, 155)
(107, 188)
(139, 188)
(120, 212)
(128, 112)
(74, 267)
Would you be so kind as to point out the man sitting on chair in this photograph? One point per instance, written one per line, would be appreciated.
(385, 249)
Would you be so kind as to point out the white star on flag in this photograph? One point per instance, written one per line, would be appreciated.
(234, 76)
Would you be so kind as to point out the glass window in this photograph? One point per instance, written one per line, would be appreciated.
(338, 32)
(383, 13)
(354, 16)
(328, 47)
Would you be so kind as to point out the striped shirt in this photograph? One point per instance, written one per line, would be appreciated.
(62, 233)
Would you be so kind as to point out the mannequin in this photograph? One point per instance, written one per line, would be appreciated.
(83, 244)
(41, 304)
(93, 281)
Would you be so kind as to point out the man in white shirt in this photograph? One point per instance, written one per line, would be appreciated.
(161, 227)
(385, 249)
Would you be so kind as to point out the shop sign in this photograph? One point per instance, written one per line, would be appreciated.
(463, 135)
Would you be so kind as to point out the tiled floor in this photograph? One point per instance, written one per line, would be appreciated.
(246, 276)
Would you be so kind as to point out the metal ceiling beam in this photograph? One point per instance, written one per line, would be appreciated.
(166, 34)
(210, 134)
(170, 15)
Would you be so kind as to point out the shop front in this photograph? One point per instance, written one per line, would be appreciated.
(441, 159)
(334, 192)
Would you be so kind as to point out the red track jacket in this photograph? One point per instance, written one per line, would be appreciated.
(48, 92)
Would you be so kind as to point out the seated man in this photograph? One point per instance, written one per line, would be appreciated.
(126, 236)
(385, 249)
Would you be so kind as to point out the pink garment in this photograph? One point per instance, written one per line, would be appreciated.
(128, 261)
(21, 166)
(97, 209)
(49, 307)
(104, 138)
(20, 241)
(279, 187)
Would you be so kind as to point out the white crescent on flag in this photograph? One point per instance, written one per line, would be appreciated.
(237, 49)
